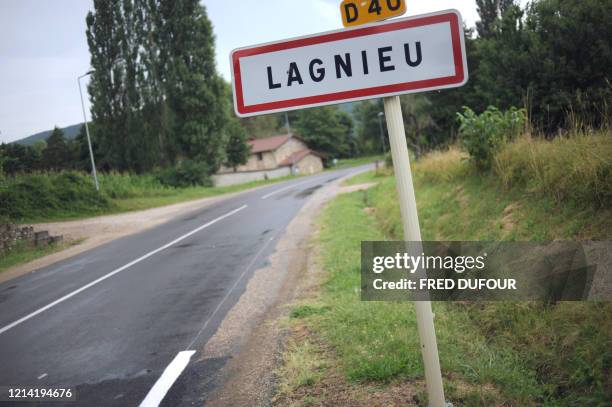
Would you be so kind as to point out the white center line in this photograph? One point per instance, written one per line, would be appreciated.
(284, 189)
(167, 379)
(120, 269)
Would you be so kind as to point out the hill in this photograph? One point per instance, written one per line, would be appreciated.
(70, 132)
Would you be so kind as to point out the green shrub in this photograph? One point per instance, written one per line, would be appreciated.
(46, 194)
(482, 135)
(186, 173)
(125, 185)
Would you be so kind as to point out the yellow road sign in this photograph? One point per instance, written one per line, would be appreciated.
(357, 12)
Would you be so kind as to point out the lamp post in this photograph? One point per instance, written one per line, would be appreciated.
(91, 156)
(382, 137)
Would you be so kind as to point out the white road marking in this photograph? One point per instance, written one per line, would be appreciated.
(42, 376)
(167, 379)
(284, 189)
(120, 269)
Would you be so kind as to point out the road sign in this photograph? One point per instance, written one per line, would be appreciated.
(400, 56)
(358, 12)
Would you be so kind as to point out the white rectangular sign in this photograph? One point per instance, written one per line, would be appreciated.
(398, 56)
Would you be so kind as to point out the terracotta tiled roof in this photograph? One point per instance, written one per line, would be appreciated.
(296, 157)
(268, 144)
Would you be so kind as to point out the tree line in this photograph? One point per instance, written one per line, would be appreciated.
(551, 57)
(157, 99)
(155, 92)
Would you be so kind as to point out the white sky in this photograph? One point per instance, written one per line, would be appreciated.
(43, 48)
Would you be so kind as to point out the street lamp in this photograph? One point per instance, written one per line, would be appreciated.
(91, 156)
(382, 138)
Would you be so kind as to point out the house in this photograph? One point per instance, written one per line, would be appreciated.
(272, 157)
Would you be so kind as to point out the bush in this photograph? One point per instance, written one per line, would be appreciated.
(48, 194)
(186, 173)
(576, 168)
(123, 186)
(482, 135)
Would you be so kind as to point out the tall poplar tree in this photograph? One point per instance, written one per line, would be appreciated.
(106, 87)
(156, 95)
(195, 90)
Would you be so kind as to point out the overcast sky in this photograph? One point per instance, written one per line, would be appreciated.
(43, 48)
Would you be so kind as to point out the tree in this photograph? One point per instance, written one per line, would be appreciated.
(106, 87)
(418, 122)
(56, 156)
(263, 126)
(237, 150)
(195, 90)
(156, 95)
(18, 159)
(326, 130)
(368, 126)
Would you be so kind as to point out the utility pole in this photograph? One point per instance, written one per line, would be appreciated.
(382, 137)
(91, 156)
(287, 125)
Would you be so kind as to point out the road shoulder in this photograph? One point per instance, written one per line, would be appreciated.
(248, 378)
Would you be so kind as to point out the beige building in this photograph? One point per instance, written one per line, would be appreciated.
(275, 152)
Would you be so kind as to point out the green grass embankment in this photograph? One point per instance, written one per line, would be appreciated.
(513, 353)
(46, 197)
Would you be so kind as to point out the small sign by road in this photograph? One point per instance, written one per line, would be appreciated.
(358, 12)
(406, 55)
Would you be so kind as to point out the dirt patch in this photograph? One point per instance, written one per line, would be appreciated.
(370, 210)
(507, 222)
(461, 197)
(358, 187)
(93, 232)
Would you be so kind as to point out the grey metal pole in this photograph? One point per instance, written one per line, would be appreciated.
(382, 137)
(91, 156)
(287, 124)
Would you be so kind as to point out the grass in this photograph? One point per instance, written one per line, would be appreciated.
(22, 253)
(46, 197)
(177, 195)
(510, 354)
(354, 162)
(303, 366)
(577, 167)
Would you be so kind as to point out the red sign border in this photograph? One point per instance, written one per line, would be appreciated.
(450, 16)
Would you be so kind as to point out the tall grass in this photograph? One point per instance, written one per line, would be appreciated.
(577, 167)
(443, 165)
(68, 194)
(124, 185)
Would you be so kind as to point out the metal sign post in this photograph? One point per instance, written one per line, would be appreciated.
(412, 232)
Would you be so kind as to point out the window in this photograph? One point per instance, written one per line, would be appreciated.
(259, 156)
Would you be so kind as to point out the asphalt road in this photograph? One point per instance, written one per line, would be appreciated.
(109, 322)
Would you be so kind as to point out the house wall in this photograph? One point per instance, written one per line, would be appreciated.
(310, 164)
(267, 162)
(291, 146)
(231, 178)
